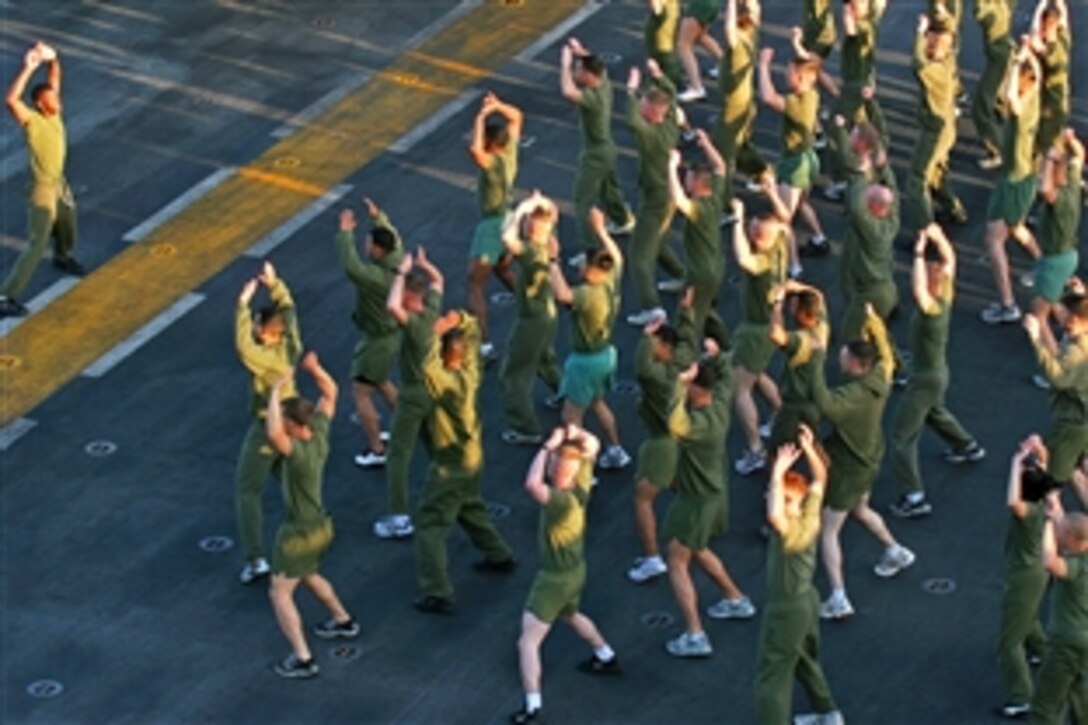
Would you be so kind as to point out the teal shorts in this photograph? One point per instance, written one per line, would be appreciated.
(487, 241)
(798, 170)
(588, 376)
(1011, 201)
(1052, 271)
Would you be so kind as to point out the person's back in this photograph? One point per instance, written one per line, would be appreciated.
(304, 470)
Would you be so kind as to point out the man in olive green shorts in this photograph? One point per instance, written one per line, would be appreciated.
(663, 352)
(655, 121)
(994, 18)
(1065, 368)
(567, 459)
(415, 299)
(660, 33)
(372, 361)
(269, 344)
(1012, 198)
(695, 25)
(494, 150)
(1063, 677)
(698, 198)
(762, 253)
(452, 491)
(856, 448)
(935, 69)
(700, 508)
(530, 240)
(298, 430)
(933, 284)
(51, 210)
(583, 80)
(789, 635)
(805, 348)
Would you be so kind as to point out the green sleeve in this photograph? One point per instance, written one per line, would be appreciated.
(1065, 371)
(838, 403)
(687, 346)
(847, 158)
(634, 119)
(357, 271)
(646, 368)
(919, 54)
(877, 332)
(281, 296)
(262, 363)
(470, 326)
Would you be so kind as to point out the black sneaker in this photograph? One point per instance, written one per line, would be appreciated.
(70, 265)
(970, 453)
(1014, 710)
(815, 249)
(338, 630)
(295, 669)
(524, 716)
(503, 566)
(904, 508)
(596, 666)
(431, 604)
(10, 307)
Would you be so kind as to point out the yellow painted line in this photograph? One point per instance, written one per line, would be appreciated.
(56, 344)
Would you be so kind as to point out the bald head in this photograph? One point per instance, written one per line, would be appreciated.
(879, 200)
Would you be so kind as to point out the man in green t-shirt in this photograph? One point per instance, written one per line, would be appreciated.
(789, 635)
(496, 133)
(268, 344)
(530, 239)
(1052, 43)
(451, 493)
(372, 361)
(660, 33)
(698, 198)
(933, 284)
(655, 121)
(583, 80)
(994, 18)
(1015, 191)
(415, 301)
(567, 459)
(1063, 677)
(298, 430)
(700, 509)
(51, 210)
(805, 347)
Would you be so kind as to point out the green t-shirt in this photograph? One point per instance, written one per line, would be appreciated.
(594, 311)
(660, 30)
(799, 121)
(534, 288)
(303, 473)
(737, 79)
(596, 114)
(562, 530)
(372, 280)
(791, 558)
(855, 409)
(703, 234)
(417, 341)
(1055, 62)
(929, 335)
(495, 186)
(1059, 222)
(805, 350)
(701, 434)
(1020, 132)
(661, 391)
(47, 146)
(995, 19)
(869, 240)
(654, 142)
(938, 83)
(455, 427)
(1024, 539)
(819, 25)
(1069, 604)
(757, 286)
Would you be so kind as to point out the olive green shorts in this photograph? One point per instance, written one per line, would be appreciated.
(657, 458)
(373, 359)
(300, 547)
(1011, 200)
(848, 482)
(704, 11)
(556, 594)
(692, 520)
(752, 347)
(1067, 444)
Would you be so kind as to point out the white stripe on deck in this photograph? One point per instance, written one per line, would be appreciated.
(15, 430)
(544, 41)
(171, 210)
(318, 107)
(432, 124)
(39, 301)
(449, 18)
(286, 230)
(141, 337)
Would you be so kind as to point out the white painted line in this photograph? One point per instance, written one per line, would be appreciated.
(13, 431)
(283, 232)
(42, 299)
(541, 44)
(318, 107)
(432, 124)
(440, 24)
(171, 210)
(141, 337)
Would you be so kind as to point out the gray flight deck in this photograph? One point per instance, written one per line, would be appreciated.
(105, 587)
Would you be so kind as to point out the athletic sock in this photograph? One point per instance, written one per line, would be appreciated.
(533, 702)
(604, 653)
(838, 594)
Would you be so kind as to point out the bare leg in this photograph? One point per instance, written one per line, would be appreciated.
(873, 521)
(533, 632)
(745, 404)
(572, 414)
(478, 272)
(708, 41)
(322, 588)
(682, 586)
(808, 214)
(645, 521)
(388, 391)
(1045, 312)
(714, 567)
(281, 591)
(831, 525)
(607, 421)
(996, 235)
(685, 48)
(586, 629)
(1026, 239)
(368, 415)
(769, 390)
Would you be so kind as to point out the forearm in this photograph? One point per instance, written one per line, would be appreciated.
(326, 386)
(55, 74)
(18, 86)
(717, 163)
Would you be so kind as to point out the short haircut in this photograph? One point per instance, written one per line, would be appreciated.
(701, 170)
(417, 282)
(570, 448)
(451, 337)
(602, 260)
(1077, 525)
(592, 64)
(805, 67)
(496, 132)
(667, 335)
(794, 482)
(868, 135)
(298, 410)
(1035, 484)
(39, 89)
(657, 97)
(707, 375)
(808, 302)
(1077, 304)
(269, 315)
(383, 239)
(863, 351)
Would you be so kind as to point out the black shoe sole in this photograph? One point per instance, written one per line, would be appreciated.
(496, 567)
(434, 605)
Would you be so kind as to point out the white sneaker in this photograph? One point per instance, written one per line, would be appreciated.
(690, 645)
(895, 560)
(619, 230)
(614, 459)
(690, 95)
(645, 317)
(670, 285)
(732, 609)
(819, 718)
(835, 191)
(1040, 381)
(577, 261)
(553, 401)
(369, 459)
(646, 568)
(384, 435)
(1027, 280)
(990, 162)
(394, 527)
(713, 72)
(998, 314)
(766, 428)
(751, 462)
(836, 608)
(254, 570)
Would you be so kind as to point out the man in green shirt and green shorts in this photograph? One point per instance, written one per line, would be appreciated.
(298, 430)
(372, 361)
(789, 635)
(494, 150)
(583, 80)
(268, 344)
(994, 18)
(700, 508)
(51, 210)
(567, 459)
(451, 493)
(805, 348)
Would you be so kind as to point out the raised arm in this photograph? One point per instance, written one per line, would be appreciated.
(567, 86)
(515, 119)
(345, 247)
(438, 282)
(731, 35)
(599, 225)
(778, 333)
(784, 458)
(1052, 560)
(394, 303)
(54, 66)
(534, 480)
(18, 109)
(717, 163)
(676, 187)
(273, 422)
(476, 149)
(1048, 188)
(326, 386)
(1014, 496)
(564, 295)
(797, 36)
(918, 277)
(742, 246)
(767, 92)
